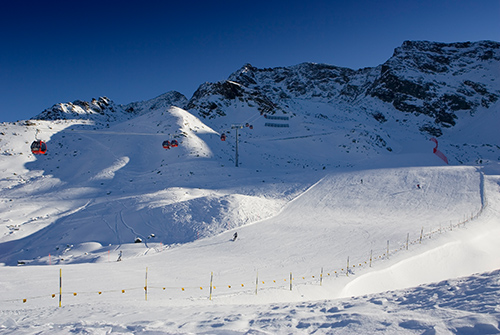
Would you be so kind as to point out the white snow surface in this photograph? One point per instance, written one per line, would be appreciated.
(354, 243)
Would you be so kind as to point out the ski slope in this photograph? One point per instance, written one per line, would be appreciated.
(345, 249)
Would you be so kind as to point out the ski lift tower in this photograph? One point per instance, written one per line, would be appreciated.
(236, 127)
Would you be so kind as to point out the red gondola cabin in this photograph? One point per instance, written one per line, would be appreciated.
(39, 147)
(166, 144)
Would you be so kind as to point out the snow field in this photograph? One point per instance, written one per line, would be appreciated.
(287, 242)
(298, 221)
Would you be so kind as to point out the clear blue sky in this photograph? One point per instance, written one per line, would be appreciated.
(61, 51)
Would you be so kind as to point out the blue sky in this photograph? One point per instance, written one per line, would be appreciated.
(61, 51)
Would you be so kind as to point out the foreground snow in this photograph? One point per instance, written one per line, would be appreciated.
(461, 306)
(178, 300)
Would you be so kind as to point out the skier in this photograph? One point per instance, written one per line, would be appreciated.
(235, 236)
(418, 186)
(119, 257)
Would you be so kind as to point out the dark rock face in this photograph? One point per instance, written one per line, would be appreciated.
(426, 78)
(211, 99)
(267, 89)
(438, 80)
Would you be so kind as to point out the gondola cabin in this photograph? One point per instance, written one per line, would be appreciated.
(174, 144)
(166, 144)
(223, 137)
(39, 147)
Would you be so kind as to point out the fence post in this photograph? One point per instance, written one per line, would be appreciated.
(421, 234)
(321, 277)
(146, 285)
(347, 270)
(290, 281)
(257, 283)
(60, 287)
(371, 254)
(211, 282)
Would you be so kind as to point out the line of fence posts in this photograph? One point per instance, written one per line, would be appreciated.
(257, 273)
(256, 278)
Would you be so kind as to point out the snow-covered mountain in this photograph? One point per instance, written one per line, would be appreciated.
(103, 110)
(434, 79)
(426, 88)
(326, 172)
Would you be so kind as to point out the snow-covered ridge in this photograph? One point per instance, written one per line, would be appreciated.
(103, 110)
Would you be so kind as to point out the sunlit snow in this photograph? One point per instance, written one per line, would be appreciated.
(329, 240)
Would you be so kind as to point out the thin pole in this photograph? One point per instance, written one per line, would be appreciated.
(290, 281)
(257, 283)
(321, 277)
(211, 283)
(407, 238)
(371, 254)
(60, 287)
(347, 271)
(146, 286)
(236, 126)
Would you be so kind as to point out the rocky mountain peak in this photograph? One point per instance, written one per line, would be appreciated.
(440, 80)
(104, 110)
(79, 109)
